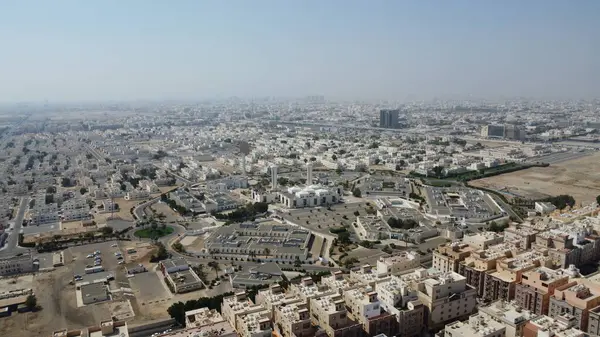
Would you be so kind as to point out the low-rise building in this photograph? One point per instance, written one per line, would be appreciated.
(293, 320)
(366, 275)
(398, 298)
(398, 263)
(254, 324)
(544, 326)
(364, 307)
(17, 265)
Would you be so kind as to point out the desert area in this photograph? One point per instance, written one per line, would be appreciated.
(579, 178)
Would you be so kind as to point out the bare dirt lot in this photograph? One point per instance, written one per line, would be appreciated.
(579, 178)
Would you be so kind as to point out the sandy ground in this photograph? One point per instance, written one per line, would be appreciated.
(171, 216)
(579, 178)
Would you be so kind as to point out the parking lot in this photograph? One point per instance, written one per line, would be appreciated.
(83, 258)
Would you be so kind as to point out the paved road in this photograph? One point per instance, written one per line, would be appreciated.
(507, 208)
(13, 238)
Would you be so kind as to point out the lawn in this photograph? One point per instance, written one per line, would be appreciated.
(150, 233)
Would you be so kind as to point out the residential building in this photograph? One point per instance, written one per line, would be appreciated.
(254, 324)
(482, 240)
(544, 326)
(447, 297)
(364, 307)
(337, 281)
(330, 313)
(511, 316)
(398, 263)
(536, 287)
(293, 320)
(480, 264)
(477, 326)
(575, 298)
(367, 276)
(447, 256)
(307, 289)
(236, 305)
(399, 299)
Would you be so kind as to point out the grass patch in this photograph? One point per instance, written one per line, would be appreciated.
(150, 233)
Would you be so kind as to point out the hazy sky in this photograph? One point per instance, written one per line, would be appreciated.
(149, 49)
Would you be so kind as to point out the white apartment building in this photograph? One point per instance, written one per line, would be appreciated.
(236, 305)
(293, 319)
(74, 203)
(398, 298)
(399, 263)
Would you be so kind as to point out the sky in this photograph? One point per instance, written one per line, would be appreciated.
(77, 50)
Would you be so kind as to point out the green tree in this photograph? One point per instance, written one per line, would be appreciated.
(344, 238)
(297, 262)
(267, 252)
(31, 302)
(178, 247)
(356, 192)
(83, 190)
(598, 200)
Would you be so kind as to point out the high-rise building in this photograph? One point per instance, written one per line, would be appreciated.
(492, 131)
(388, 118)
(536, 287)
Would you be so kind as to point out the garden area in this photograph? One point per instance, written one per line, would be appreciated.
(154, 232)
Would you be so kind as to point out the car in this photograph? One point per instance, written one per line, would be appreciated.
(117, 253)
(97, 263)
(121, 262)
(89, 266)
(90, 256)
(113, 245)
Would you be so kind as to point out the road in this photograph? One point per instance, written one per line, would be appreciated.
(507, 208)
(13, 238)
(185, 181)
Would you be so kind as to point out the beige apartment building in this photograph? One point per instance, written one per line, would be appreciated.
(207, 320)
(476, 267)
(366, 275)
(275, 296)
(524, 236)
(307, 289)
(476, 326)
(338, 281)
(399, 263)
(399, 299)
(501, 284)
(447, 256)
(576, 298)
(536, 287)
(511, 316)
(483, 240)
(329, 312)
(364, 307)
(447, 297)
(236, 305)
(293, 320)
(254, 324)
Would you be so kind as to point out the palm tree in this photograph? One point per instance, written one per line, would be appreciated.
(215, 266)
(267, 252)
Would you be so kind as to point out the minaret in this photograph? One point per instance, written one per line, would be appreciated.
(274, 176)
(309, 176)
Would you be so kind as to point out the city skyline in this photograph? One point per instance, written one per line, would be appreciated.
(409, 50)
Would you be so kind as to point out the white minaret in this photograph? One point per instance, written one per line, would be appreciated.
(309, 177)
(274, 176)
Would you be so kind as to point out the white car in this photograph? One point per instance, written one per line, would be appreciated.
(121, 262)
(113, 245)
(90, 256)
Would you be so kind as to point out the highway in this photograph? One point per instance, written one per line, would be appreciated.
(13, 237)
